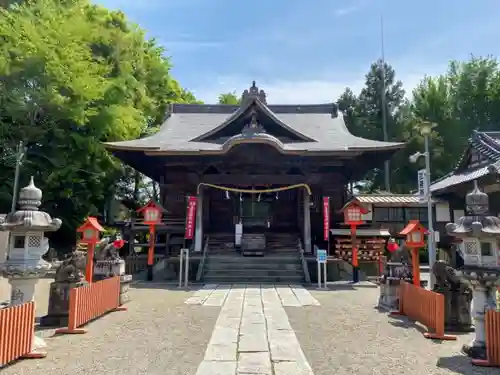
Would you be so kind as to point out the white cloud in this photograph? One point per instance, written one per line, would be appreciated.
(311, 91)
(345, 11)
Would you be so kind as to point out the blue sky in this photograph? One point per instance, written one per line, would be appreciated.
(308, 51)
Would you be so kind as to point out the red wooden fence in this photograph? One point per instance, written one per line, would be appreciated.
(91, 301)
(425, 307)
(17, 327)
(492, 323)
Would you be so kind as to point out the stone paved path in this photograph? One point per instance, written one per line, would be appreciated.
(252, 334)
(336, 331)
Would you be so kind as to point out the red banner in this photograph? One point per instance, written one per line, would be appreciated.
(190, 218)
(326, 218)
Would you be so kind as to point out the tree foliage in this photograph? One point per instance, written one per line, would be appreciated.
(74, 75)
(467, 97)
(229, 98)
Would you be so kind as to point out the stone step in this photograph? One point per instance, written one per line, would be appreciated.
(253, 279)
(253, 272)
(246, 266)
(251, 260)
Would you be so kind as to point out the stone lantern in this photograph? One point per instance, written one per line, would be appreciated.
(24, 265)
(480, 234)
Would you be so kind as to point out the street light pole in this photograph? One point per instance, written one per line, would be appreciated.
(430, 237)
(426, 129)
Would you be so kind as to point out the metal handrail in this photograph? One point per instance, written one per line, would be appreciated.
(199, 273)
(305, 267)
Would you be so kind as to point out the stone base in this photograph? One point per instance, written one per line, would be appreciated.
(389, 295)
(125, 281)
(57, 315)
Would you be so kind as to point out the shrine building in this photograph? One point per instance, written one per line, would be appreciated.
(258, 168)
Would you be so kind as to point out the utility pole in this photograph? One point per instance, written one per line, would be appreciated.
(19, 158)
(387, 167)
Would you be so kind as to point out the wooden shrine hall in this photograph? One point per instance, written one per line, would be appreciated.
(259, 167)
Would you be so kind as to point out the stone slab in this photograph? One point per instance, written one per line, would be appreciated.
(304, 296)
(253, 342)
(223, 335)
(287, 297)
(292, 368)
(221, 352)
(201, 295)
(216, 368)
(218, 297)
(254, 363)
(284, 346)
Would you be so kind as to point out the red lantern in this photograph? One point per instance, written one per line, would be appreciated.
(151, 212)
(415, 234)
(353, 213)
(90, 230)
(415, 239)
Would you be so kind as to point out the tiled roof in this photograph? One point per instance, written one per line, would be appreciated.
(187, 122)
(389, 199)
(486, 143)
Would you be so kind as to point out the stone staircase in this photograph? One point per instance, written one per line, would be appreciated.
(280, 263)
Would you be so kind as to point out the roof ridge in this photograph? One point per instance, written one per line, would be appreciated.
(323, 108)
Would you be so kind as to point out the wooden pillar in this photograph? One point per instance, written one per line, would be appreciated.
(198, 235)
(307, 223)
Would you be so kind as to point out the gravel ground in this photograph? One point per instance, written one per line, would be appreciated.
(347, 335)
(158, 335)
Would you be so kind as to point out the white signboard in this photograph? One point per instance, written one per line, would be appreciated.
(423, 189)
(238, 233)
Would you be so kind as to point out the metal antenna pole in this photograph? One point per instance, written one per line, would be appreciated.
(19, 158)
(387, 168)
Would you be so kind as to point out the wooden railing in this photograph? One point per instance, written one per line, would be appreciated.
(92, 301)
(425, 307)
(17, 328)
(492, 323)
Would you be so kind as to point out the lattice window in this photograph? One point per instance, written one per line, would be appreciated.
(470, 247)
(34, 241)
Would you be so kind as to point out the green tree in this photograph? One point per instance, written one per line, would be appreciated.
(229, 98)
(364, 115)
(74, 75)
(467, 97)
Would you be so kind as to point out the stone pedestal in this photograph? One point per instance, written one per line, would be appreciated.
(484, 285)
(389, 294)
(457, 305)
(125, 281)
(109, 268)
(58, 313)
(389, 285)
(104, 269)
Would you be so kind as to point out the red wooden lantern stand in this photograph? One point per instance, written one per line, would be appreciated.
(353, 216)
(415, 234)
(152, 217)
(90, 230)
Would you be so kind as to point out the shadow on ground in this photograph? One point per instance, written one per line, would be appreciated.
(460, 364)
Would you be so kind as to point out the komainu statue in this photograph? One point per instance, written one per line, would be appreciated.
(457, 295)
(72, 268)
